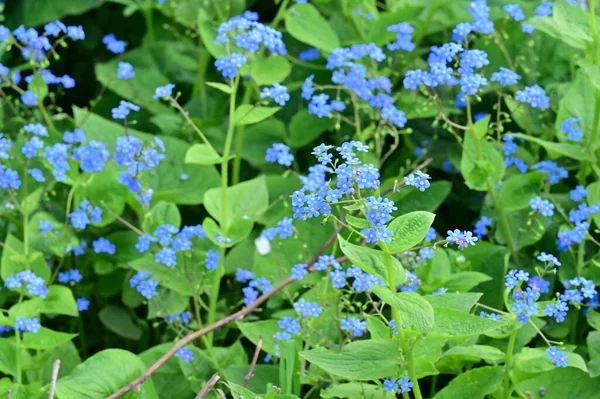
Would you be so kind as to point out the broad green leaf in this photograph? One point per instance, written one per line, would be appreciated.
(14, 260)
(526, 230)
(39, 87)
(481, 165)
(578, 102)
(269, 70)
(465, 281)
(174, 278)
(409, 230)
(162, 213)
(359, 223)
(481, 127)
(32, 13)
(491, 260)
(372, 261)
(560, 383)
(593, 198)
(463, 302)
(46, 339)
(377, 328)
(305, 24)
(59, 300)
(263, 376)
(101, 190)
(56, 241)
(259, 137)
(304, 128)
(167, 302)
(202, 154)
(415, 311)
(535, 360)
(517, 190)
(474, 384)
(166, 180)
(220, 86)
(567, 23)
(8, 356)
(245, 200)
(523, 115)
(247, 114)
(360, 360)
(439, 270)
(457, 357)
(208, 34)
(264, 329)
(102, 375)
(119, 321)
(378, 32)
(451, 323)
(571, 150)
(354, 390)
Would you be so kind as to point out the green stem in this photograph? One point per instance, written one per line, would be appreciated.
(218, 10)
(45, 116)
(426, 23)
(280, 13)
(410, 361)
(508, 363)
(200, 83)
(18, 357)
(505, 226)
(239, 142)
(149, 24)
(580, 262)
(218, 273)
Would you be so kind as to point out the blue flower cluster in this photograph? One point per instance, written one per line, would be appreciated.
(183, 318)
(555, 172)
(70, 277)
(378, 212)
(83, 304)
(572, 131)
(279, 153)
(46, 226)
(28, 325)
(164, 91)
(103, 246)
(544, 207)
(354, 325)
(558, 357)
(171, 241)
(185, 354)
(307, 309)
(481, 226)
(130, 153)
(125, 71)
(284, 230)
(212, 259)
(277, 92)
(393, 385)
(461, 238)
(576, 235)
(491, 316)
(36, 286)
(578, 194)
(255, 285)
(113, 44)
(142, 282)
(85, 215)
(510, 148)
(290, 326)
(123, 110)
(418, 180)
(362, 281)
(412, 282)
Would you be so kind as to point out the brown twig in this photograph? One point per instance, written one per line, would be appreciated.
(55, 369)
(9, 393)
(253, 364)
(210, 384)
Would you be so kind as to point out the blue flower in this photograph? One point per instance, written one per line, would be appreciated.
(354, 325)
(578, 194)
(142, 282)
(76, 136)
(29, 98)
(279, 153)
(526, 28)
(418, 180)
(32, 147)
(505, 77)
(481, 225)
(555, 173)
(544, 9)
(461, 238)
(545, 207)
(9, 179)
(243, 276)
(28, 325)
(307, 309)
(125, 71)
(212, 259)
(71, 277)
(309, 55)
(123, 110)
(461, 31)
(102, 245)
(390, 385)
(83, 304)
(515, 11)
(277, 92)
(534, 96)
(114, 45)
(307, 88)
(230, 65)
(46, 226)
(558, 357)
(573, 132)
(164, 91)
(185, 354)
(93, 156)
(299, 271)
(403, 41)
(37, 175)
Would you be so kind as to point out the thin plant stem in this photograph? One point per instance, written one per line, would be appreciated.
(508, 363)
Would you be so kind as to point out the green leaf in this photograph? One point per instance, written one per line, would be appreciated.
(353, 390)
(377, 328)
(451, 323)
(481, 127)
(578, 102)
(458, 356)
(202, 154)
(245, 200)
(162, 213)
(304, 128)
(167, 302)
(269, 70)
(526, 230)
(208, 34)
(102, 191)
(416, 312)
(119, 321)
(102, 375)
(35, 13)
(463, 302)
(264, 329)
(439, 271)
(8, 356)
(247, 114)
(481, 164)
(409, 230)
(522, 115)
(39, 87)
(474, 384)
(220, 86)
(359, 223)
(360, 360)
(535, 360)
(46, 339)
(571, 150)
(60, 300)
(54, 242)
(560, 383)
(372, 261)
(517, 190)
(567, 23)
(593, 198)
(14, 260)
(305, 24)
(465, 281)
(165, 181)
